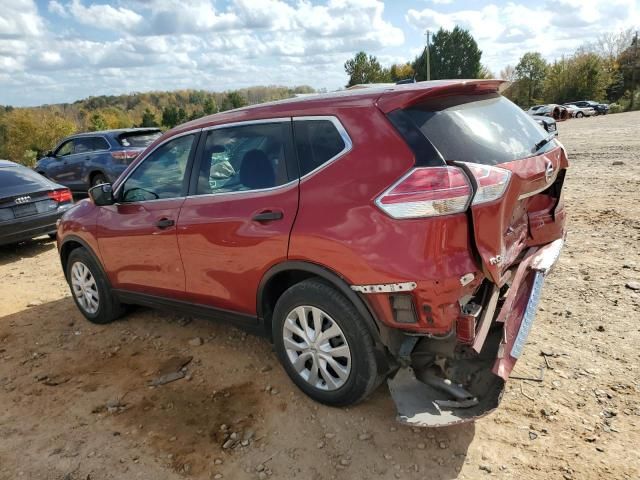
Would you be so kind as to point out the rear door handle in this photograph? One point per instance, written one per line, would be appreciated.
(268, 216)
(165, 223)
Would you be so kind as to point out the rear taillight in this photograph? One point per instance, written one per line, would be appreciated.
(61, 196)
(435, 191)
(492, 182)
(427, 192)
(125, 156)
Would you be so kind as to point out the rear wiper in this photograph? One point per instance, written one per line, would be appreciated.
(543, 142)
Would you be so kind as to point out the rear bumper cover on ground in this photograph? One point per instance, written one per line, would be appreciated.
(418, 404)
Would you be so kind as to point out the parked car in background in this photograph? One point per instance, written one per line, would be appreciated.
(538, 109)
(88, 159)
(424, 268)
(579, 112)
(557, 112)
(600, 108)
(30, 205)
(548, 123)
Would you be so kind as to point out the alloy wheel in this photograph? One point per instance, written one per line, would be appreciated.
(84, 287)
(317, 348)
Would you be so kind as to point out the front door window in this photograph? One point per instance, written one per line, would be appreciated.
(162, 174)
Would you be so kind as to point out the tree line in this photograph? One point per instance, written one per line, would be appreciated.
(601, 70)
(27, 133)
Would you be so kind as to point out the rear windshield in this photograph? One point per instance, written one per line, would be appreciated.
(18, 180)
(138, 139)
(488, 130)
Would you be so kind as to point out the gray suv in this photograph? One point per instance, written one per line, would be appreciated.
(84, 160)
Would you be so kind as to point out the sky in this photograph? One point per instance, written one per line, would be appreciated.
(54, 51)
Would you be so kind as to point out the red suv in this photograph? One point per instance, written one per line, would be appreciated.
(390, 233)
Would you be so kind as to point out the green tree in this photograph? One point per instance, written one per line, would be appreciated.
(210, 106)
(401, 71)
(363, 68)
(148, 119)
(233, 100)
(530, 73)
(97, 122)
(182, 115)
(453, 54)
(31, 132)
(629, 61)
(170, 116)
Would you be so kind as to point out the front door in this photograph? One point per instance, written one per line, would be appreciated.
(137, 235)
(236, 223)
(59, 170)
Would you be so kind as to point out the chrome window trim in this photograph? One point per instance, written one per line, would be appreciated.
(257, 190)
(348, 144)
(164, 142)
(244, 123)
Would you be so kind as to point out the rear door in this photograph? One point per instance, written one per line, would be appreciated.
(236, 223)
(59, 169)
(518, 175)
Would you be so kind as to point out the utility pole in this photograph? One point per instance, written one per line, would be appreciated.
(428, 56)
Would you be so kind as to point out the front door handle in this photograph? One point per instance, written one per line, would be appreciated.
(165, 223)
(268, 216)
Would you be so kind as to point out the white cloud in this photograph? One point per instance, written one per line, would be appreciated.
(555, 28)
(57, 8)
(105, 16)
(19, 18)
(93, 47)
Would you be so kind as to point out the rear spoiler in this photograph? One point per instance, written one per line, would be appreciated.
(403, 96)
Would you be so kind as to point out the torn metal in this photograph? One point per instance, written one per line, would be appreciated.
(445, 382)
(385, 287)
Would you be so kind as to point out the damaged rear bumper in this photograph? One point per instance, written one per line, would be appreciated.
(478, 378)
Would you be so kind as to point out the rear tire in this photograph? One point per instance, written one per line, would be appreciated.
(324, 344)
(90, 289)
(579, 115)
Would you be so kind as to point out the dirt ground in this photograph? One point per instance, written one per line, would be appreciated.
(75, 400)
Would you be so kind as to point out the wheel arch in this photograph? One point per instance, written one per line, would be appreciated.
(284, 275)
(73, 242)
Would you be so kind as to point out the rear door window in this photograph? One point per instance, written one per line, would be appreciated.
(488, 130)
(317, 142)
(90, 144)
(245, 157)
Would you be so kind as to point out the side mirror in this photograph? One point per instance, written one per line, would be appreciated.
(49, 154)
(102, 194)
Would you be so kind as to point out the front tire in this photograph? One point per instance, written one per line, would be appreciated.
(90, 289)
(324, 344)
(98, 179)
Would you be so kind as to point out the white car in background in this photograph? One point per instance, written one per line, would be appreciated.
(579, 112)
